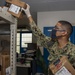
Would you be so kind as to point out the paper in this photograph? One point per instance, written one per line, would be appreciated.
(8, 70)
(15, 9)
(0, 9)
(63, 71)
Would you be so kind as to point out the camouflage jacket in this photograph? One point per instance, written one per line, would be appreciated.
(55, 52)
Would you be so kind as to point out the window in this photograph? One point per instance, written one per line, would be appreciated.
(18, 43)
(23, 38)
(26, 38)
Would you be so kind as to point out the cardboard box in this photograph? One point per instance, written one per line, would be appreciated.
(62, 67)
(0, 72)
(5, 63)
(0, 65)
(15, 7)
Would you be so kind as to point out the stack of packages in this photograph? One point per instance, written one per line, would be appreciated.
(4, 63)
(4, 53)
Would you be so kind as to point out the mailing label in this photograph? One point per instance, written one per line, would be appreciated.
(63, 71)
(15, 9)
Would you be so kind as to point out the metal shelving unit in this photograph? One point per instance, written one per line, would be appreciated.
(7, 17)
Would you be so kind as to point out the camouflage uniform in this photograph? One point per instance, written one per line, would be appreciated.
(55, 52)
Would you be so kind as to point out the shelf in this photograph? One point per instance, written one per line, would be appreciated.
(30, 51)
(18, 64)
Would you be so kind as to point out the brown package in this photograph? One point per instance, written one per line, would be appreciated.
(5, 63)
(15, 7)
(0, 64)
(62, 63)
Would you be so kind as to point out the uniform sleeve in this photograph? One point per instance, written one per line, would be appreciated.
(72, 56)
(41, 38)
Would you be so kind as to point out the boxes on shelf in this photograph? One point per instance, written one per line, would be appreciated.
(15, 7)
(62, 67)
(0, 64)
(0, 72)
(5, 63)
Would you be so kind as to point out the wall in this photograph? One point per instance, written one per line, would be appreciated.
(2, 2)
(5, 44)
(51, 18)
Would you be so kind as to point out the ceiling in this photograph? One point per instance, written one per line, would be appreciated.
(50, 5)
(47, 5)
